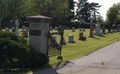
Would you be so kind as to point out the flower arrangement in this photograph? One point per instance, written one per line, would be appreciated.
(84, 38)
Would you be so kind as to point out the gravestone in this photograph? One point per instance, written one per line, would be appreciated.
(13, 29)
(0, 24)
(38, 33)
(70, 37)
(103, 29)
(25, 32)
(23, 28)
(73, 29)
(113, 27)
(109, 29)
(56, 28)
(91, 28)
(80, 35)
(51, 42)
(98, 28)
(84, 30)
(51, 29)
(68, 28)
(7, 29)
(17, 27)
(80, 29)
(63, 42)
(118, 26)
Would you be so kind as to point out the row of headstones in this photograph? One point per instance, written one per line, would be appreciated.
(15, 29)
(70, 37)
(63, 42)
(73, 29)
(98, 29)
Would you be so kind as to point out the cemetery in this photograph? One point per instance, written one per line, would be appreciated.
(49, 37)
(74, 47)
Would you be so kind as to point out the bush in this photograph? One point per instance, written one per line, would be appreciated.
(83, 38)
(38, 59)
(16, 53)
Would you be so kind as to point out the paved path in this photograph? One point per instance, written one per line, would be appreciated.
(103, 61)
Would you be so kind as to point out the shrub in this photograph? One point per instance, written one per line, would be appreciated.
(83, 38)
(38, 59)
(16, 53)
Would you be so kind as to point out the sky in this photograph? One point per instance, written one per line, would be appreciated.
(106, 4)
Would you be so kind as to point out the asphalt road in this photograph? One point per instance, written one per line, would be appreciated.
(104, 61)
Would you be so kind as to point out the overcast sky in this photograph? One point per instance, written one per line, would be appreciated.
(106, 4)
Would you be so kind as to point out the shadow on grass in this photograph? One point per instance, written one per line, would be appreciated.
(101, 35)
(95, 38)
(51, 70)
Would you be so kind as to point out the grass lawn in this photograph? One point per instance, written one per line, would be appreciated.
(79, 49)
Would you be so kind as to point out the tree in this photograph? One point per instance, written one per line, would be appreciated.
(113, 14)
(85, 10)
(12, 9)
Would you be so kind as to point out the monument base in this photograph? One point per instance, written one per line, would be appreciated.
(71, 42)
(59, 58)
(97, 33)
(103, 33)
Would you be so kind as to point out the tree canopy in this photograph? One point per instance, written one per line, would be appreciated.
(85, 10)
(113, 14)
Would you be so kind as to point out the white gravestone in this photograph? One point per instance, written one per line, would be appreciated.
(71, 39)
(73, 29)
(17, 27)
(98, 28)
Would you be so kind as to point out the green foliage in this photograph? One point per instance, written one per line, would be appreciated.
(83, 38)
(85, 9)
(75, 24)
(38, 59)
(16, 53)
(113, 14)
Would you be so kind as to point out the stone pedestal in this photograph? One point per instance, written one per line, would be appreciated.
(91, 29)
(71, 39)
(80, 35)
(38, 33)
